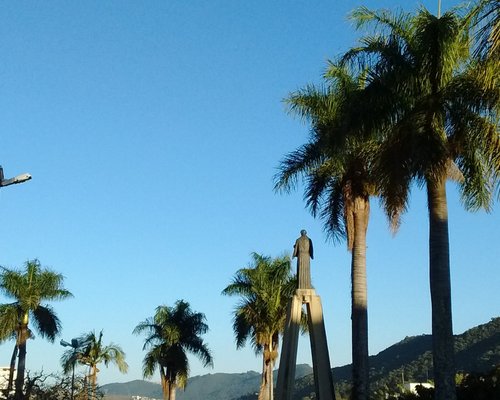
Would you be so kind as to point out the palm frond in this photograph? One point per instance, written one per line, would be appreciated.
(295, 165)
(46, 322)
(261, 310)
(397, 24)
(485, 18)
(9, 320)
(333, 213)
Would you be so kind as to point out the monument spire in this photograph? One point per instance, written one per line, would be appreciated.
(305, 294)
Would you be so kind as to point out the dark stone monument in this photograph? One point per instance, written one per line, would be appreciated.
(303, 250)
(305, 294)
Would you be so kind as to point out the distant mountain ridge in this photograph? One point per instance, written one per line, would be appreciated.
(477, 350)
(218, 386)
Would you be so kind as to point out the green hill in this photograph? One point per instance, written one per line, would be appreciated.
(477, 350)
(219, 386)
(132, 388)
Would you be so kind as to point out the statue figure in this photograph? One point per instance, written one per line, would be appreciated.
(303, 250)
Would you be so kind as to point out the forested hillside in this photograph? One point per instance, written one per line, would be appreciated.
(219, 386)
(477, 350)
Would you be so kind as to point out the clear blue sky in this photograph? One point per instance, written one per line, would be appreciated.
(153, 130)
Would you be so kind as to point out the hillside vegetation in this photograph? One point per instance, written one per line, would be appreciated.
(219, 386)
(477, 350)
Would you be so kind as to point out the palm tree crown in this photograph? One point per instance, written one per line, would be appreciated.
(265, 288)
(171, 334)
(91, 351)
(335, 163)
(440, 120)
(29, 289)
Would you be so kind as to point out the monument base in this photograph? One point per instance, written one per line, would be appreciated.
(323, 380)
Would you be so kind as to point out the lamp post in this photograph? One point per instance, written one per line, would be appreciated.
(74, 345)
(12, 181)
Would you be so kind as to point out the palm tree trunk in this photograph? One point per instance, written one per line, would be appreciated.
(274, 355)
(12, 368)
(359, 298)
(164, 384)
(264, 392)
(21, 361)
(270, 381)
(86, 387)
(171, 385)
(168, 385)
(439, 274)
(93, 381)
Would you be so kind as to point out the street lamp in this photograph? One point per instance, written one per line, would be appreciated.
(74, 345)
(12, 181)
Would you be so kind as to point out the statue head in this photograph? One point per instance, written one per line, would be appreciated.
(303, 232)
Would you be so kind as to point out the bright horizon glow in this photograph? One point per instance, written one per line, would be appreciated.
(154, 131)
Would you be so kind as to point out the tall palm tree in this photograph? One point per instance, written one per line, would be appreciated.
(91, 352)
(441, 120)
(29, 289)
(335, 165)
(171, 334)
(265, 288)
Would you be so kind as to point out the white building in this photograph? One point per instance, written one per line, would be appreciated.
(4, 377)
(411, 386)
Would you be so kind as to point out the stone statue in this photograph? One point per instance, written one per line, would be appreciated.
(303, 250)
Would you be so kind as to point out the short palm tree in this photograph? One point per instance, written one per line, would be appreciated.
(29, 289)
(440, 120)
(265, 288)
(91, 352)
(336, 166)
(171, 334)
